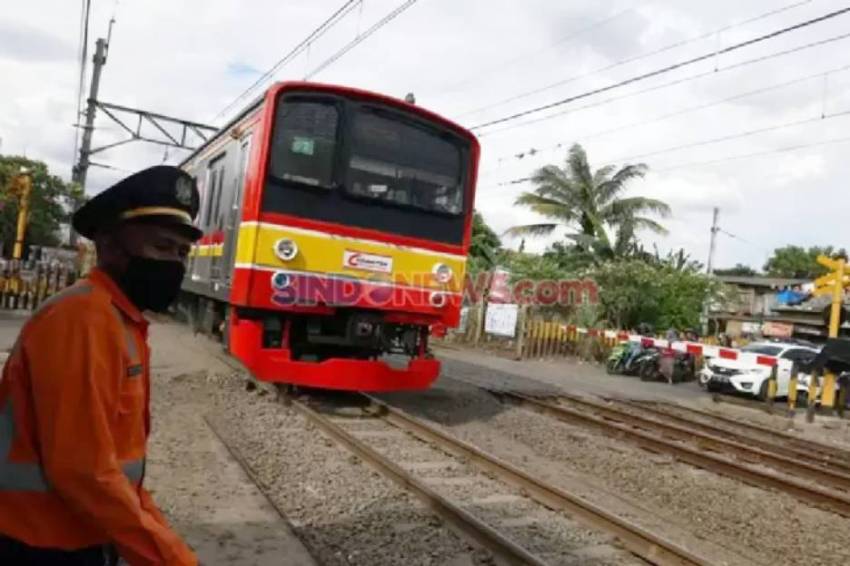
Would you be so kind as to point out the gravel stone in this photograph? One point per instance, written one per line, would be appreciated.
(764, 526)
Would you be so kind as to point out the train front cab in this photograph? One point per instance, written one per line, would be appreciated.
(357, 241)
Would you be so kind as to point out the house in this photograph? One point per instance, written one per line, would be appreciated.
(753, 309)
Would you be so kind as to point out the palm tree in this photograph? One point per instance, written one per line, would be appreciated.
(575, 196)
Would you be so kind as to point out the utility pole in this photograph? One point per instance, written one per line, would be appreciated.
(710, 267)
(82, 167)
(714, 230)
(119, 114)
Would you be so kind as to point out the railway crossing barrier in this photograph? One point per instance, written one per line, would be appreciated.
(25, 287)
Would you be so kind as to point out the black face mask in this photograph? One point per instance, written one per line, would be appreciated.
(152, 284)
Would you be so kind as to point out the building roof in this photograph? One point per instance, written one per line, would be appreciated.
(760, 281)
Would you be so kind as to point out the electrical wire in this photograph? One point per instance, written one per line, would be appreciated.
(756, 154)
(676, 113)
(729, 137)
(304, 44)
(360, 38)
(634, 58)
(676, 82)
(666, 69)
(83, 50)
(569, 38)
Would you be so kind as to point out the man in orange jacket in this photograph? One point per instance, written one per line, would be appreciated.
(74, 397)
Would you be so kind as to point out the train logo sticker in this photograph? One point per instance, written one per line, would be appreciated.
(367, 262)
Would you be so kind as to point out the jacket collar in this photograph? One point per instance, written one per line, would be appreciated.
(119, 299)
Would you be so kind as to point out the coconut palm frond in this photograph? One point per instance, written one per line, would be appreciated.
(603, 174)
(617, 184)
(615, 211)
(578, 166)
(531, 230)
(642, 223)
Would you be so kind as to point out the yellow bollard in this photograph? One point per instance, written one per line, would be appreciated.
(843, 385)
(771, 388)
(812, 397)
(792, 390)
(827, 393)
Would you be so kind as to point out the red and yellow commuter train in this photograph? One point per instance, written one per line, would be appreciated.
(336, 227)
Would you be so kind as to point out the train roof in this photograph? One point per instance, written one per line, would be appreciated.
(278, 86)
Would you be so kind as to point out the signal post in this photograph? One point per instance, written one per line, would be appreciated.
(832, 284)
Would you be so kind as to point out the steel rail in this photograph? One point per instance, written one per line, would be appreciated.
(806, 445)
(637, 540)
(812, 494)
(236, 454)
(461, 520)
(791, 451)
(782, 463)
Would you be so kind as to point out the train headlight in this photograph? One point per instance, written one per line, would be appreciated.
(280, 280)
(438, 300)
(286, 249)
(442, 273)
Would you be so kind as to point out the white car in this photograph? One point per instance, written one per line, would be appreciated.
(749, 378)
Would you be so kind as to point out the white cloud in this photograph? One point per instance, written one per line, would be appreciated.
(190, 59)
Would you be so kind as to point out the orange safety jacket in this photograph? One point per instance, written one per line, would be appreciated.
(74, 422)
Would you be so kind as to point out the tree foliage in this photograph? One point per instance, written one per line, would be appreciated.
(50, 201)
(668, 293)
(485, 246)
(739, 269)
(591, 202)
(799, 263)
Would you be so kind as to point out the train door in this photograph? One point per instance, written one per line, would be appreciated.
(233, 213)
(212, 227)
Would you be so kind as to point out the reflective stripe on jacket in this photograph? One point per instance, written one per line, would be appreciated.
(74, 423)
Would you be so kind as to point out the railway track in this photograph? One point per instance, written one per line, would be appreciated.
(535, 499)
(716, 440)
(772, 439)
(645, 546)
(723, 456)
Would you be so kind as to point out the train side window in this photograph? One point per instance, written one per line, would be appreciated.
(215, 176)
(217, 203)
(211, 184)
(304, 142)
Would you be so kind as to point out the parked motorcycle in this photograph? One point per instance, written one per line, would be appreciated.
(634, 365)
(668, 365)
(618, 357)
(624, 358)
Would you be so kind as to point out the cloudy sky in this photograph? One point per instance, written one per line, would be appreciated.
(480, 60)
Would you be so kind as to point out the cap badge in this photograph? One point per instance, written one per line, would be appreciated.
(183, 191)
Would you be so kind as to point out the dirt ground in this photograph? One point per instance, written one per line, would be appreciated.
(574, 376)
(340, 511)
(198, 485)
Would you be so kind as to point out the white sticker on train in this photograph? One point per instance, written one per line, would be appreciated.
(367, 262)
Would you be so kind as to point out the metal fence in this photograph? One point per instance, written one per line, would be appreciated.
(24, 286)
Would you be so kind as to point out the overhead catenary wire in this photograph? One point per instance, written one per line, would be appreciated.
(728, 137)
(777, 151)
(780, 150)
(680, 112)
(633, 58)
(360, 38)
(739, 135)
(575, 34)
(665, 69)
(347, 7)
(668, 84)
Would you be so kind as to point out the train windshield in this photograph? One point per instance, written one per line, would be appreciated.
(361, 164)
(403, 163)
(304, 149)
